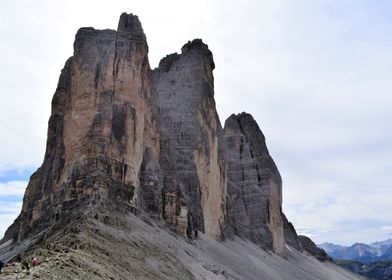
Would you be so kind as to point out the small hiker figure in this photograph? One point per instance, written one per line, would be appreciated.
(1, 265)
(26, 265)
(34, 262)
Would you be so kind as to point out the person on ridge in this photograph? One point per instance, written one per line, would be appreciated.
(26, 265)
(34, 262)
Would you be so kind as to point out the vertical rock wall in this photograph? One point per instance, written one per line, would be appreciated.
(189, 120)
(254, 185)
(103, 138)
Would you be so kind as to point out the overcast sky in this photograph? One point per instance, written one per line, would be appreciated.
(316, 75)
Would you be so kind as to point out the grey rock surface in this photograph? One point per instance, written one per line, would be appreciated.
(290, 234)
(122, 246)
(254, 187)
(309, 246)
(189, 120)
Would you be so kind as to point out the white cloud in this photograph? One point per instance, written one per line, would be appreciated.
(10, 208)
(387, 228)
(13, 188)
(315, 75)
(305, 231)
(9, 211)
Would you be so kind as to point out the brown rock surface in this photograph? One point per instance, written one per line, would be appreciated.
(105, 147)
(103, 137)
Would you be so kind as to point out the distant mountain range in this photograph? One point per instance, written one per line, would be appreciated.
(376, 251)
(373, 260)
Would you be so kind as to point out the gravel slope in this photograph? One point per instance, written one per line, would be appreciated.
(126, 247)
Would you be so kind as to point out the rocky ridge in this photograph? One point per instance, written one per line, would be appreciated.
(124, 139)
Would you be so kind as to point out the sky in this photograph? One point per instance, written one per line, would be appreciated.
(316, 75)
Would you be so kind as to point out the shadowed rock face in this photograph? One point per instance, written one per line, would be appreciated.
(309, 246)
(254, 190)
(290, 234)
(189, 120)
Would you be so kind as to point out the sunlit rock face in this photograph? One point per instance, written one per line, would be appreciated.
(103, 142)
(105, 146)
(254, 190)
(124, 137)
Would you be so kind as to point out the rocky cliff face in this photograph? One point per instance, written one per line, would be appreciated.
(254, 187)
(123, 138)
(103, 135)
(105, 147)
(310, 247)
(290, 234)
(189, 120)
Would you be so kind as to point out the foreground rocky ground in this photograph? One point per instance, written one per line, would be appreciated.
(126, 247)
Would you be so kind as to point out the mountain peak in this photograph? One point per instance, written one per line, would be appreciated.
(197, 45)
(130, 23)
(139, 178)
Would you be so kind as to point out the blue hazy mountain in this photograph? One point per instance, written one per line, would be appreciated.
(362, 252)
(372, 260)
